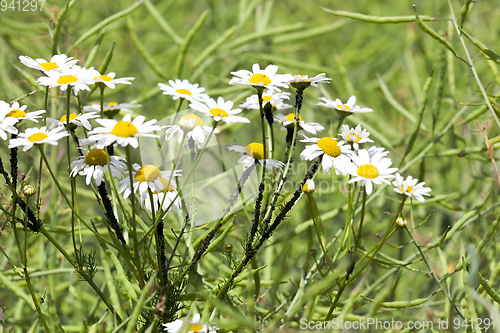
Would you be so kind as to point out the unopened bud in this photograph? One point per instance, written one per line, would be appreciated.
(309, 186)
(401, 222)
(29, 190)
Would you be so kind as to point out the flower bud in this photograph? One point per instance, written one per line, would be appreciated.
(309, 186)
(29, 190)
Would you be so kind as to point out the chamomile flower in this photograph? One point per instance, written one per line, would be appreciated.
(164, 197)
(109, 79)
(254, 153)
(195, 326)
(76, 120)
(219, 110)
(275, 99)
(111, 109)
(309, 186)
(373, 150)
(334, 153)
(18, 113)
(144, 178)
(355, 136)
(287, 122)
(38, 136)
(301, 82)
(369, 170)
(191, 126)
(183, 89)
(124, 132)
(344, 109)
(94, 163)
(260, 79)
(58, 62)
(410, 188)
(75, 77)
(6, 123)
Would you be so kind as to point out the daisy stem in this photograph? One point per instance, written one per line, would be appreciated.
(72, 180)
(39, 187)
(178, 109)
(102, 100)
(160, 242)
(341, 121)
(263, 127)
(318, 228)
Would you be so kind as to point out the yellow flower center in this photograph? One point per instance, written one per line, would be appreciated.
(96, 157)
(255, 150)
(49, 65)
(305, 188)
(166, 186)
(260, 78)
(37, 137)
(103, 77)
(112, 103)
(290, 117)
(368, 171)
(329, 146)
(218, 112)
(147, 173)
(72, 116)
(124, 129)
(65, 79)
(184, 92)
(195, 327)
(353, 138)
(16, 113)
(266, 99)
(408, 189)
(190, 121)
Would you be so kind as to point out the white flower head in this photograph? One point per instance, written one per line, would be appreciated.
(144, 178)
(334, 153)
(94, 163)
(261, 78)
(77, 120)
(17, 113)
(355, 136)
(58, 62)
(183, 89)
(373, 150)
(287, 122)
(6, 123)
(309, 186)
(410, 188)
(301, 82)
(344, 109)
(190, 126)
(38, 136)
(369, 170)
(275, 99)
(195, 326)
(219, 110)
(111, 109)
(124, 132)
(76, 77)
(165, 197)
(109, 79)
(254, 153)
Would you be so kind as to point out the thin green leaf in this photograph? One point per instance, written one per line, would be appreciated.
(376, 19)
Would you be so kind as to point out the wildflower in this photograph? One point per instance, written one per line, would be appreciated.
(194, 327)
(94, 163)
(38, 136)
(261, 79)
(287, 122)
(334, 153)
(369, 170)
(410, 188)
(165, 196)
(401, 222)
(355, 136)
(191, 126)
(183, 89)
(111, 109)
(17, 112)
(109, 80)
(29, 190)
(301, 82)
(373, 150)
(75, 77)
(124, 132)
(276, 101)
(6, 123)
(144, 178)
(254, 153)
(75, 120)
(58, 62)
(219, 110)
(309, 186)
(344, 109)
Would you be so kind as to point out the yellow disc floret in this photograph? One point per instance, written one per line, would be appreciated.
(255, 150)
(218, 112)
(103, 77)
(368, 171)
(96, 157)
(266, 99)
(124, 129)
(329, 146)
(260, 78)
(184, 92)
(147, 173)
(408, 189)
(72, 116)
(37, 137)
(168, 187)
(353, 138)
(190, 121)
(49, 65)
(195, 327)
(16, 113)
(65, 79)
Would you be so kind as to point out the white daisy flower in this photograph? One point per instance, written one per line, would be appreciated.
(109, 79)
(369, 170)
(165, 196)
(261, 79)
(276, 100)
(144, 178)
(377, 150)
(220, 110)
(18, 113)
(287, 122)
(111, 109)
(192, 126)
(301, 82)
(77, 120)
(355, 136)
(124, 132)
(344, 109)
(183, 89)
(194, 326)
(76, 77)
(58, 62)
(309, 186)
(410, 188)
(38, 136)
(94, 163)
(6, 123)
(334, 153)
(254, 152)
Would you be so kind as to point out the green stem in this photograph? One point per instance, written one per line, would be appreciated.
(319, 229)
